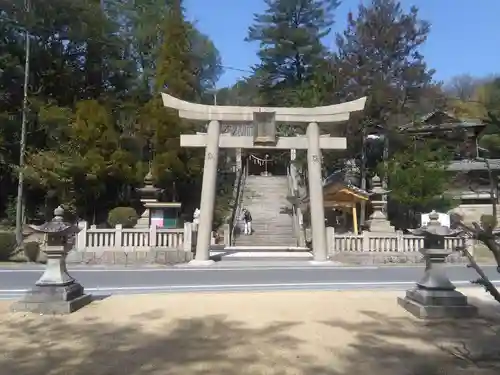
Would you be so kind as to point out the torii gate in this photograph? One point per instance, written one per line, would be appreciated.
(264, 120)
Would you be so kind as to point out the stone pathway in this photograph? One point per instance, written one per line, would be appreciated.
(274, 333)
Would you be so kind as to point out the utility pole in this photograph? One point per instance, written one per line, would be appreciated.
(22, 148)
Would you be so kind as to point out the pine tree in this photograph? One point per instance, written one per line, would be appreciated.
(379, 57)
(290, 34)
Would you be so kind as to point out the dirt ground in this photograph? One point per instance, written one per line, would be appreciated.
(273, 333)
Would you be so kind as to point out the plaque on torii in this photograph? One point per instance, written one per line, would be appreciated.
(264, 128)
(264, 137)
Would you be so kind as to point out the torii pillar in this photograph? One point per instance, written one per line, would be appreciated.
(264, 120)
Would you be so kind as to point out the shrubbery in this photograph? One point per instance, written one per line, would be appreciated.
(8, 245)
(126, 216)
(31, 250)
(488, 221)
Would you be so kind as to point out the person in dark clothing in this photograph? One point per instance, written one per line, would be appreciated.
(247, 219)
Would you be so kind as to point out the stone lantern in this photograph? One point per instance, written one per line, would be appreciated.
(149, 192)
(149, 195)
(56, 292)
(378, 219)
(435, 296)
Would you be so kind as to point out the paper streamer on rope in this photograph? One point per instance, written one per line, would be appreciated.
(260, 162)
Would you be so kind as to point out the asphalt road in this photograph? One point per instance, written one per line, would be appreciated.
(102, 281)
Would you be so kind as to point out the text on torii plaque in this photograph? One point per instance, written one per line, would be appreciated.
(264, 127)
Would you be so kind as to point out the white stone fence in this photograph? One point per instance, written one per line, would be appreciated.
(120, 239)
(130, 239)
(380, 242)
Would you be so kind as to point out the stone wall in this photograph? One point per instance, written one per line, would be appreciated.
(373, 258)
(138, 257)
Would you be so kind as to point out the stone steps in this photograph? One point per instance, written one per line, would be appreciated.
(265, 198)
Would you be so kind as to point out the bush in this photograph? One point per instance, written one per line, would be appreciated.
(488, 222)
(126, 216)
(8, 245)
(32, 250)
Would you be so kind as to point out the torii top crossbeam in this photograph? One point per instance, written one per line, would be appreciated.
(324, 114)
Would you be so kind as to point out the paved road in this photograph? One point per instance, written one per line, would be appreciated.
(148, 280)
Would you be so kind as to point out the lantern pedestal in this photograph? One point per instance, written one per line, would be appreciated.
(56, 292)
(53, 299)
(435, 297)
(437, 304)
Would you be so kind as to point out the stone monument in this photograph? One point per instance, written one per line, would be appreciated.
(435, 296)
(56, 292)
(378, 221)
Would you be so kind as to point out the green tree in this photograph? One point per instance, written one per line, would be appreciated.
(379, 56)
(418, 180)
(290, 34)
(93, 106)
(90, 170)
(161, 128)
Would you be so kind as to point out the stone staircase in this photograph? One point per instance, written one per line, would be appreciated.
(265, 198)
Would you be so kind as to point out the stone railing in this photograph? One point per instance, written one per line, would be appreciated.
(236, 210)
(298, 215)
(121, 239)
(379, 242)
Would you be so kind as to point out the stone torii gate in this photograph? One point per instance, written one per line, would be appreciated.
(264, 120)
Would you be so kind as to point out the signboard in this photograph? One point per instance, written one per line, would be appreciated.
(264, 124)
(157, 218)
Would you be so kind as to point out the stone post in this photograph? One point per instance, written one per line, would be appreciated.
(330, 239)
(118, 237)
(365, 242)
(81, 237)
(227, 235)
(152, 236)
(208, 196)
(316, 194)
(400, 243)
(188, 237)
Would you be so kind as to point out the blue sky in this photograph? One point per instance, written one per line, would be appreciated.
(464, 38)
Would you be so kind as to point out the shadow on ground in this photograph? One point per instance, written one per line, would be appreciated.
(407, 346)
(214, 344)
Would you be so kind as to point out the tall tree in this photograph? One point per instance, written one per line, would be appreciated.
(161, 128)
(379, 57)
(463, 87)
(92, 107)
(290, 34)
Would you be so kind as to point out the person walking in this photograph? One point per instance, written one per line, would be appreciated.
(247, 219)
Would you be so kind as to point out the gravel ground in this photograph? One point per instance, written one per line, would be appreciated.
(275, 333)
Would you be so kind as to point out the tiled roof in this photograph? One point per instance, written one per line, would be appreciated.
(454, 122)
(337, 177)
